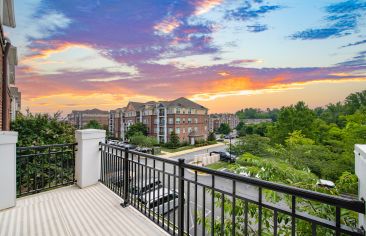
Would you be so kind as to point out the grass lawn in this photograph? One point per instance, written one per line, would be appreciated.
(177, 149)
(218, 165)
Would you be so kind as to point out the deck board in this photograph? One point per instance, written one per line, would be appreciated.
(73, 211)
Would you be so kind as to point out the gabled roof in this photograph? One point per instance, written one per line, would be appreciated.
(92, 111)
(184, 102)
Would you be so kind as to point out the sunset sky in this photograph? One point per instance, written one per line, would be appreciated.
(224, 54)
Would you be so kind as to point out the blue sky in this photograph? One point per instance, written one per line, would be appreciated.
(102, 54)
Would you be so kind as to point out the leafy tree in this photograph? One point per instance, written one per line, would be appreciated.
(298, 117)
(143, 141)
(42, 129)
(174, 140)
(93, 124)
(253, 144)
(355, 101)
(297, 138)
(136, 129)
(224, 129)
(348, 183)
(211, 136)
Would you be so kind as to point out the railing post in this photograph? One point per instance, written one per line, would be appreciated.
(87, 160)
(360, 167)
(125, 179)
(8, 141)
(181, 198)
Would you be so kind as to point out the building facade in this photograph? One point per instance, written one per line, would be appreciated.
(8, 62)
(215, 120)
(81, 118)
(186, 118)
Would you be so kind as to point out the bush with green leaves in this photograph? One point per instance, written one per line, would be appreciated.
(143, 141)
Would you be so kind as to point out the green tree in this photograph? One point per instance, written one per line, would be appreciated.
(143, 141)
(355, 101)
(93, 124)
(136, 129)
(291, 118)
(253, 144)
(42, 129)
(224, 129)
(174, 140)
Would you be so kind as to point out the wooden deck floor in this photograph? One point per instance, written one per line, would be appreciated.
(73, 211)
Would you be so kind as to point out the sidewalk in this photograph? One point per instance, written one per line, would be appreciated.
(173, 154)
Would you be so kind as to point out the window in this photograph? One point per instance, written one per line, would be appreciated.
(170, 130)
(196, 120)
(189, 129)
(184, 130)
(155, 121)
(205, 128)
(184, 120)
(177, 120)
(171, 121)
(178, 110)
(177, 130)
(145, 121)
(189, 120)
(195, 128)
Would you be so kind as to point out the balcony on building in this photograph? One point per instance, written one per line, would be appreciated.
(93, 188)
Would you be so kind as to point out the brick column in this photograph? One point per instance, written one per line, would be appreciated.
(8, 183)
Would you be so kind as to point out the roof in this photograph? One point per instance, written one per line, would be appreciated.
(184, 102)
(91, 111)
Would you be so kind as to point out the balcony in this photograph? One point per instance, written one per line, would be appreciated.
(124, 192)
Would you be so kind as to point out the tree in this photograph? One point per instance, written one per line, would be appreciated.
(143, 141)
(224, 129)
(253, 144)
(174, 140)
(355, 101)
(93, 124)
(291, 118)
(211, 136)
(136, 129)
(42, 129)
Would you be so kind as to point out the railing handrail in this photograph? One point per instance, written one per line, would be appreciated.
(350, 204)
(46, 146)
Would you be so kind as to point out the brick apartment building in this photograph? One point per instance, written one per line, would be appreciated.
(188, 119)
(215, 120)
(81, 118)
(8, 62)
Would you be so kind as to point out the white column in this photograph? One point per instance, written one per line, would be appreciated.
(165, 126)
(360, 170)
(87, 162)
(8, 141)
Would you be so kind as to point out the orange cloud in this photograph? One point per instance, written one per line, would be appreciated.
(168, 25)
(205, 6)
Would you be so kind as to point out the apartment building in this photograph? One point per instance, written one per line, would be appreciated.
(188, 119)
(256, 121)
(215, 120)
(8, 62)
(81, 118)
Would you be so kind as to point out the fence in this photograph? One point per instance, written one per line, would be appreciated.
(40, 168)
(219, 203)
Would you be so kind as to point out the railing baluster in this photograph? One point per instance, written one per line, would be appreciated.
(180, 197)
(260, 211)
(203, 210)
(293, 216)
(275, 221)
(233, 216)
(195, 203)
(246, 205)
(338, 221)
(222, 213)
(213, 205)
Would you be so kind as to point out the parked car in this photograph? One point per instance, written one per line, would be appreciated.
(145, 186)
(143, 150)
(225, 156)
(162, 203)
(127, 145)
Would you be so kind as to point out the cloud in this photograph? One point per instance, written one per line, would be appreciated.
(74, 57)
(342, 19)
(204, 6)
(166, 26)
(354, 44)
(257, 28)
(249, 11)
(31, 26)
(358, 60)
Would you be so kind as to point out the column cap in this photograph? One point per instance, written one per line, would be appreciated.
(8, 137)
(361, 149)
(86, 134)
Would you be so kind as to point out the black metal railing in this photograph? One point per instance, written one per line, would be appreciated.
(40, 168)
(186, 199)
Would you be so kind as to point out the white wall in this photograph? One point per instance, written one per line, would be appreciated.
(360, 170)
